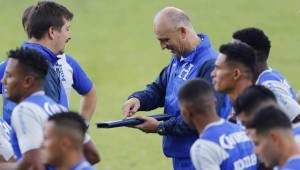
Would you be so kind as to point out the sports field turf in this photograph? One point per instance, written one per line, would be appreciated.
(114, 42)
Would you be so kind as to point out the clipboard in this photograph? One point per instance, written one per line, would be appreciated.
(131, 121)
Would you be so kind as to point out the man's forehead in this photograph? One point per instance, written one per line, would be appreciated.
(49, 127)
(67, 22)
(220, 59)
(12, 64)
(162, 26)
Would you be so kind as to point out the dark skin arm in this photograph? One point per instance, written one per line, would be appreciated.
(91, 153)
(30, 160)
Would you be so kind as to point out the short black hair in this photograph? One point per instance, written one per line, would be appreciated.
(252, 98)
(257, 39)
(269, 118)
(240, 53)
(70, 120)
(198, 93)
(31, 61)
(44, 15)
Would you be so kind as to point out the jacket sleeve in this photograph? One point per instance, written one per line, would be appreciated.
(177, 126)
(154, 95)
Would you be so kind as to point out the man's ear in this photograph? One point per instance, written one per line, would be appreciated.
(190, 111)
(51, 32)
(183, 32)
(236, 73)
(275, 137)
(28, 81)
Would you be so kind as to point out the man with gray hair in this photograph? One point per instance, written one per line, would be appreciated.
(192, 57)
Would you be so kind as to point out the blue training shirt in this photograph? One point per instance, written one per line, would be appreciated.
(64, 74)
(225, 146)
(72, 75)
(28, 119)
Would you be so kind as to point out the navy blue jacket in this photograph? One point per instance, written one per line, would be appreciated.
(163, 93)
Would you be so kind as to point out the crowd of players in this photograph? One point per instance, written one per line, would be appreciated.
(230, 110)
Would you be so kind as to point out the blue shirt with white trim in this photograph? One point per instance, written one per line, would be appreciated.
(72, 75)
(225, 146)
(27, 121)
(284, 93)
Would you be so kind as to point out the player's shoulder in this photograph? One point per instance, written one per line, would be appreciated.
(25, 110)
(269, 75)
(25, 107)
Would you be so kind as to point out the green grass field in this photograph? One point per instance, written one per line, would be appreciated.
(114, 42)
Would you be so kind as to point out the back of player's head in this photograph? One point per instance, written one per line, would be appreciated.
(198, 94)
(26, 16)
(252, 98)
(70, 124)
(240, 54)
(257, 39)
(269, 118)
(30, 61)
(46, 14)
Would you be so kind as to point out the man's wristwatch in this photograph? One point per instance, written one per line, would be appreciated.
(161, 129)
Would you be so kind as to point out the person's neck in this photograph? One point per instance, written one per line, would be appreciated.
(28, 93)
(239, 88)
(289, 149)
(193, 42)
(44, 42)
(200, 122)
(71, 159)
(261, 67)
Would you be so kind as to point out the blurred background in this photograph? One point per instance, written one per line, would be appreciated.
(113, 41)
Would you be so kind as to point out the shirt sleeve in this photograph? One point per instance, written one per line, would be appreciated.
(176, 126)
(6, 150)
(28, 126)
(284, 100)
(207, 155)
(81, 82)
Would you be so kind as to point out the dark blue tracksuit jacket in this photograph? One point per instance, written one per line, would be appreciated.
(163, 93)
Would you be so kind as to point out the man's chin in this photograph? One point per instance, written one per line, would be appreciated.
(61, 52)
